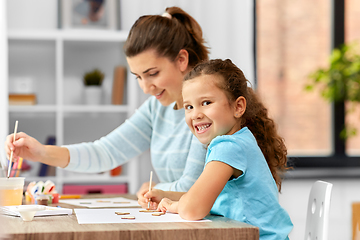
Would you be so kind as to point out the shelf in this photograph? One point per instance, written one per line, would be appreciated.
(70, 35)
(56, 60)
(68, 108)
(31, 109)
(96, 108)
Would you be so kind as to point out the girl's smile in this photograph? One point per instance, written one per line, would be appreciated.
(208, 111)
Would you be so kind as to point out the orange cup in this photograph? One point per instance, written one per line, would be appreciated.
(11, 191)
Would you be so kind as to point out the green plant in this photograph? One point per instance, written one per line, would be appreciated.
(93, 78)
(340, 81)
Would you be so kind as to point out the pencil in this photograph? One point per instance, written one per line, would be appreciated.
(19, 166)
(69, 196)
(11, 154)
(150, 189)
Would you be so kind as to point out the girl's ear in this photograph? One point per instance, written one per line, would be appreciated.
(240, 107)
(183, 60)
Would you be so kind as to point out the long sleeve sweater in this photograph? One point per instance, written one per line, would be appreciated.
(177, 156)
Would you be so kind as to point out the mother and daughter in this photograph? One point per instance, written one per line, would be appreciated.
(244, 157)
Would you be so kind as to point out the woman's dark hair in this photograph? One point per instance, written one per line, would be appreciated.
(167, 35)
(233, 82)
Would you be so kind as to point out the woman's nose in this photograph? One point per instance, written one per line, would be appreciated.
(147, 87)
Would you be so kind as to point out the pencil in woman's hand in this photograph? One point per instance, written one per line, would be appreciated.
(11, 153)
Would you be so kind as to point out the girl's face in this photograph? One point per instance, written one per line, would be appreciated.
(208, 112)
(159, 76)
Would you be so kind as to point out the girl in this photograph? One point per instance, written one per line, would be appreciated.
(160, 50)
(245, 155)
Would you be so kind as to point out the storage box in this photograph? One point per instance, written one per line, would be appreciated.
(103, 189)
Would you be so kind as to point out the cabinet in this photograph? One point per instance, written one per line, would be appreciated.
(55, 61)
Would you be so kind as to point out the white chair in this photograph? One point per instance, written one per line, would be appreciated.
(317, 219)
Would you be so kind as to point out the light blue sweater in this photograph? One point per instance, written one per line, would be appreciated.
(177, 156)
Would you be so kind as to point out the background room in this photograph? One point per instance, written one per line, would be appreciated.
(277, 44)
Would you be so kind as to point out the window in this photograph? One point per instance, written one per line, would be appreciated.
(294, 38)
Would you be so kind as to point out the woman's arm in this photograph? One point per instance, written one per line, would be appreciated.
(193, 168)
(30, 149)
(125, 142)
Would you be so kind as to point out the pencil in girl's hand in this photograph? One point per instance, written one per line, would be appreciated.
(150, 189)
(11, 154)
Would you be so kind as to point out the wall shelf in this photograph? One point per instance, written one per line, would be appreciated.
(56, 60)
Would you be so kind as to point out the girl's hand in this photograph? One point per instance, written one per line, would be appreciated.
(24, 146)
(167, 205)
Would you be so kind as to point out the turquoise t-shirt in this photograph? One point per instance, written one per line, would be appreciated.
(252, 197)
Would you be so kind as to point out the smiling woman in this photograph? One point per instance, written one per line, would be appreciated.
(160, 50)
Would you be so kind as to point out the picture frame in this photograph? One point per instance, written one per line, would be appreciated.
(89, 14)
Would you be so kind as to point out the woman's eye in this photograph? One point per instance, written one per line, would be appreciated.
(137, 77)
(206, 103)
(154, 74)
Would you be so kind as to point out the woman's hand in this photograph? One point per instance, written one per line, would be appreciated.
(142, 191)
(24, 146)
(155, 196)
(167, 205)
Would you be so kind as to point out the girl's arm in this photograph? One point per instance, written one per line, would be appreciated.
(198, 201)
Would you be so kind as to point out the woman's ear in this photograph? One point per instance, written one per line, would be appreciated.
(240, 106)
(183, 60)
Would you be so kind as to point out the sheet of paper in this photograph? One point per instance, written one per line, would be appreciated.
(98, 216)
(49, 211)
(102, 202)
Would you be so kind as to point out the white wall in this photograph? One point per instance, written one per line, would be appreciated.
(3, 81)
(227, 25)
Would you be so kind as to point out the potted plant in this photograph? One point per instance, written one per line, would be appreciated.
(93, 81)
(340, 80)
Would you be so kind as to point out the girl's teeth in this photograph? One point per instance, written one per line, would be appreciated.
(202, 127)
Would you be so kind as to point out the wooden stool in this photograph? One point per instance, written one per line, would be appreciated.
(356, 220)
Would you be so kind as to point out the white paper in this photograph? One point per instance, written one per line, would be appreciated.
(102, 202)
(49, 211)
(98, 216)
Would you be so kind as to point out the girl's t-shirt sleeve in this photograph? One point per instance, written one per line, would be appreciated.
(225, 149)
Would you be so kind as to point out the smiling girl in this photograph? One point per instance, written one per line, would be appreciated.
(245, 155)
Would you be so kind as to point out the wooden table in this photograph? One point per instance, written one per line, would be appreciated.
(67, 227)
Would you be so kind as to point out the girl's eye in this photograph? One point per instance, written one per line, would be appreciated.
(137, 77)
(205, 103)
(188, 107)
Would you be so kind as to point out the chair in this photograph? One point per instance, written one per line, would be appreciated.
(317, 219)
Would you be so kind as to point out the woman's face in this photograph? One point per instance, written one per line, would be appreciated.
(158, 76)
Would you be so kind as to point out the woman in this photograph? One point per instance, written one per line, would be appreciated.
(160, 50)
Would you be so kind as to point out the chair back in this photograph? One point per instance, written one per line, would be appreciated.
(317, 219)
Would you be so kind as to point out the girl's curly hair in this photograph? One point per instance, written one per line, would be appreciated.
(234, 84)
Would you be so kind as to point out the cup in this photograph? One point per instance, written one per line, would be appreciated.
(11, 191)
